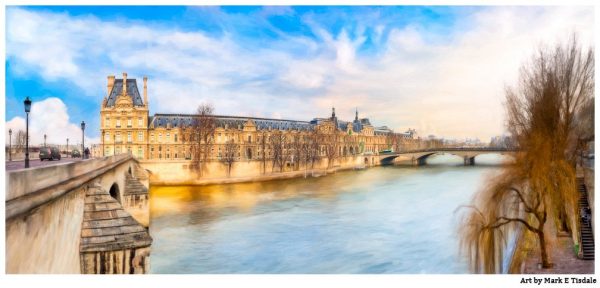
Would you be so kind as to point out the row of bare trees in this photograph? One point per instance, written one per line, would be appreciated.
(300, 148)
(550, 113)
(18, 141)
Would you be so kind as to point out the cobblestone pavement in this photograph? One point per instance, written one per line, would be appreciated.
(563, 257)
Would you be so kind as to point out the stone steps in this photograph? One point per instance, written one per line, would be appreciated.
(587, 237)
(134, 186)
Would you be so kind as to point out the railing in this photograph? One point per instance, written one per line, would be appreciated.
(493, 149)
(30, 188)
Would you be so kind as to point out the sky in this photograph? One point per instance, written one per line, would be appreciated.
(438, 69)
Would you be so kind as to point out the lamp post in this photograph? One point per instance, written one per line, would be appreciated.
(27, 104)
(9, 145)
(44, 140)
(67, 147)
(83, 138)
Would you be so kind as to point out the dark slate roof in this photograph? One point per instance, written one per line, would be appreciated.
(132, 91)
(179, 120)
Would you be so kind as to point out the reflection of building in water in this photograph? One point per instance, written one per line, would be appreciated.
(127, 127)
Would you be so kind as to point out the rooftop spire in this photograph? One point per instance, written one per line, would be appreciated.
(332, 112)
(356, 115)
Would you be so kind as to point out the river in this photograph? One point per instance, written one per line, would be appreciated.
(389, 219)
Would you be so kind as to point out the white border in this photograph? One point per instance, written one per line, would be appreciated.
(264, 281)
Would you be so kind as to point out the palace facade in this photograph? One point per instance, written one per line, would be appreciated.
(126, 126)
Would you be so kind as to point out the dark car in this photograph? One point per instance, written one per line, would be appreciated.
(75, 153)
(49, 153)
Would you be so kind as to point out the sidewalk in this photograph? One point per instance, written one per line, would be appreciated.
(563, 257)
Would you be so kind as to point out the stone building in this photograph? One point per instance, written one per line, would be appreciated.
(127, 127)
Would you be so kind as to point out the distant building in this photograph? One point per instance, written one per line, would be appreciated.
(126, 126)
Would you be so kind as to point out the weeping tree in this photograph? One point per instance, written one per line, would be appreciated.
(537, 192)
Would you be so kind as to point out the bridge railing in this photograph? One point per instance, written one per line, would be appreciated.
(452, 149)
(30, 188)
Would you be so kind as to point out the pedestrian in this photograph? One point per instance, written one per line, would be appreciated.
(87, 153)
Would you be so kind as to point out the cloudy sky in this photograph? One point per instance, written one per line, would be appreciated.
(441, 70)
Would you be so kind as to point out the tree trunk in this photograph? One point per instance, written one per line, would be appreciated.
(543, 250)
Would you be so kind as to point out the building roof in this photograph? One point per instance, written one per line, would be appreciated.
(132, 91)
(184, 120)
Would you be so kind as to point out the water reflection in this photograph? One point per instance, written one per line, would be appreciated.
(379, 220)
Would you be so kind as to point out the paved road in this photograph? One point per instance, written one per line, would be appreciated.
(20, 164)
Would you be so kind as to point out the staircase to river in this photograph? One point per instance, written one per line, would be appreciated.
(587, 237)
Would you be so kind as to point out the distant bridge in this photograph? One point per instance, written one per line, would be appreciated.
(419, 157)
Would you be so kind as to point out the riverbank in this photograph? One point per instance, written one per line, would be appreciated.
(562, 252)
(526, 260)
(168, 173)
(259, 178)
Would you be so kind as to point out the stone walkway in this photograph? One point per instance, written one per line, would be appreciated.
(565, 261)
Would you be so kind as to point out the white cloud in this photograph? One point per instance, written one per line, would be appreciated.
(451, 88)
(50, 117)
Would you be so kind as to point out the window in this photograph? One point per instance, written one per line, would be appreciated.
(249, 138)
(140, 122)
(129, 136)
(118, 123)
(107, 136)
(159, 137)
(139, 152)
(168, 136)
(152, 137)
(140, 136)
(175, 139)
(118, 136)
(129, 122)
(107, 122)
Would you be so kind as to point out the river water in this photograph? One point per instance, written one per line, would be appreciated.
(379, 220)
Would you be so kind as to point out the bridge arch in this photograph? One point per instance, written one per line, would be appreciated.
(115, 192)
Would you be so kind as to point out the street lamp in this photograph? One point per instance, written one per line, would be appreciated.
(114, 143)
(67, 147)
(44, 140)
(9, 145)
(27, 104)
(83, 138)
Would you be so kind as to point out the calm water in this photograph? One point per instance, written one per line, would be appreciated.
(379, 220)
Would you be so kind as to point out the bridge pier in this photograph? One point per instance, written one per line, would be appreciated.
(419, 161)
(469, 161)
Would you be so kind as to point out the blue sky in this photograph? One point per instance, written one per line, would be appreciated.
(435, 69)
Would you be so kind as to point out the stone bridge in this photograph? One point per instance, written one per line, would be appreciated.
(89, 216)
(419, 157)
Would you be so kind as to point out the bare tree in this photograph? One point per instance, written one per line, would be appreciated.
(538, 191)
(19, 142)
(296, 149)
(201, 136)
(230, 154)
(280, 149)
(263, 144)
(331, 145)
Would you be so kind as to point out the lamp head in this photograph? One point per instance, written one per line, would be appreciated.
(27, 103)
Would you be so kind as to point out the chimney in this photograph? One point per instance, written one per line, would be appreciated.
(146, 91)
(111, 83)
(124, 83)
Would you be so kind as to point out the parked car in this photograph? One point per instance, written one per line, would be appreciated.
(49, 153)
(75, 153)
